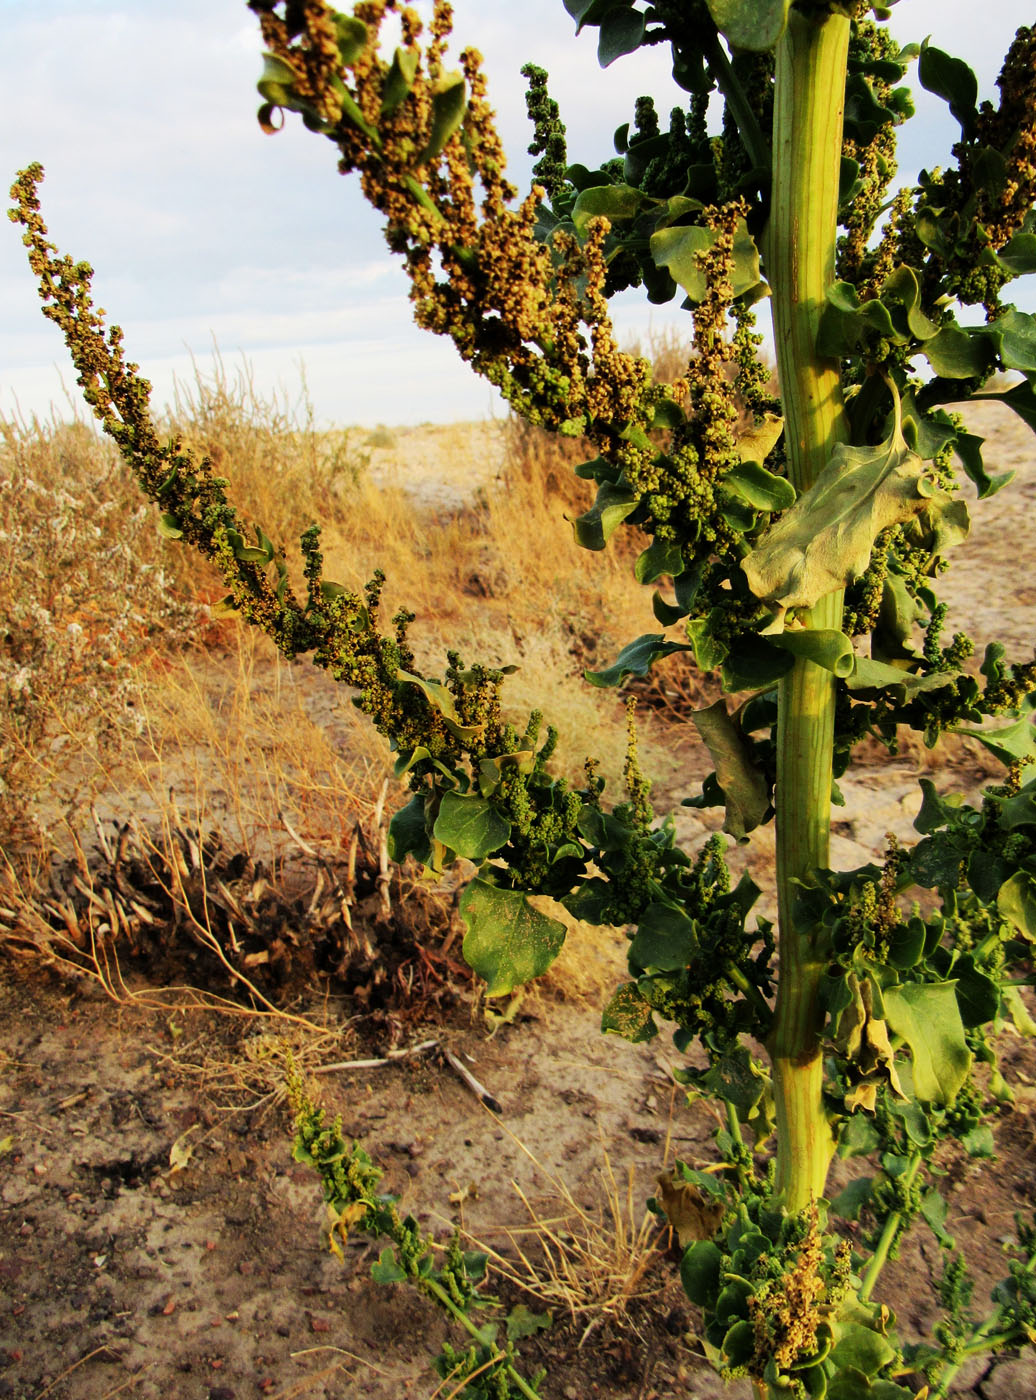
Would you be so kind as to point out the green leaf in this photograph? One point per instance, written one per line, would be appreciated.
(449, 103)
(169, 527)
(398, 81)
(523, 1322)
(968, 447)
(408, 834)
(277, 81)
(750, 24)
(440, 698)
(978, 996)
(901, 292)
(825, 540)
(861, 1348)
(826, 647)
(745, 791)
(1017, 904)
(1010, 743)
(954, 354)
(979, 1141)
(680, 251)
(471, 826)
(758, 487)
(352, 37)
(700, 1272)
(953, 81)
(936, 811)
(1018, 255)
(386, 1270)
(853, 1197)
(737, 1079)
(666, 939)
(508, 942)
(927, 1017)
(710, 651)
(1015, 337)
(754, 663)
(629, 1015)
(877, 675)
(616, 203)
(595, 527)
(661, 558)
(491, 770)
(622, 32)
(635, 659)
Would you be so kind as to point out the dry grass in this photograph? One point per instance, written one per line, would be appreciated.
(595, 1263)
(123, 696)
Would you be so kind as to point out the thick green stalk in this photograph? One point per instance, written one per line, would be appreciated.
(800, 251)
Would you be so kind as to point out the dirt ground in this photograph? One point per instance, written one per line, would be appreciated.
(156, 1239)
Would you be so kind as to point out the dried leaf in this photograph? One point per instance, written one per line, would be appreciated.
(687, 1209)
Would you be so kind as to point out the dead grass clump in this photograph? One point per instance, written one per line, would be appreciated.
(180, 905)
(594, 1263)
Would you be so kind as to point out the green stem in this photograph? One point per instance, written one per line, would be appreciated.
(888, 1236)
(749, 130)
(737, 978)
(984, 1339)
(439, 1293)
(800, 253)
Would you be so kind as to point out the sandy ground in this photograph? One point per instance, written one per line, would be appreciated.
(157, 1240)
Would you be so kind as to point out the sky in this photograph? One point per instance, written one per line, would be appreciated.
(207, 235)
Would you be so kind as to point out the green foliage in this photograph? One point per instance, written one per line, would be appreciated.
(449, 1276)
(798, 546)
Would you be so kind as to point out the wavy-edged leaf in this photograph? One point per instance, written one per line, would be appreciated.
(471, 826)
(629, 1015)
(449, 103)
(665, 940)
(662, 558)
(353, 36)
(825, 540)
(750, 24)
(954, 354)
(680, 251)
(622, 32)
(507, 942)
(700, 1272)
(398, 81)
(617, 203)
(1017, 904)
(968, 447)
(1010, 743)
(1014, 335)
(277, 81)
(755, 444)
(408, 832)
(878, 675)
(595, 527)
(440, 698)
(901, 292)
(759, 488)
(862, 1349)
(745, 792)
(952, 80)
(635, 659)
(824, 646)
(926, 1015)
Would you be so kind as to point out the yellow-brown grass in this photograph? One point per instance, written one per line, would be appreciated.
(123, 693)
